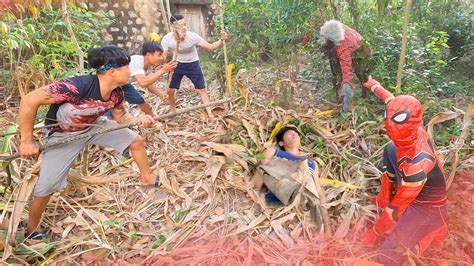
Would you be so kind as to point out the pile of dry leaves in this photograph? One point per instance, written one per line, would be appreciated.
(206, 211)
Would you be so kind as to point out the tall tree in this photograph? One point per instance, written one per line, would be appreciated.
(403, 52)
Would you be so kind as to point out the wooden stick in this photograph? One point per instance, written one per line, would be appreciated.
(80, 53)
(403, 53)
(168, 9)
(226, 62)
(165, 16)
(324, 211)
(177, 39)
(460, 142)
(66, 140)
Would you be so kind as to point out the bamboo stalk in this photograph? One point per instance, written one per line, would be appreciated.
(168, 9)
(80, 53)
(403, 53)
(165, 16)
(224, 45)
(178, 42)
(324, 211)
(66, 140)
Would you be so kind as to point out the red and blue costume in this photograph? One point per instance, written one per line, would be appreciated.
(413, 188)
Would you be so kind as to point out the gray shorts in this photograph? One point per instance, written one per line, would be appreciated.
(57, 161)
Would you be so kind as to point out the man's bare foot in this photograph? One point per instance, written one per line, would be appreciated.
(150, 180)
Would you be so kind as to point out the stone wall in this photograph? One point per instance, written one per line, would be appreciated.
(134, 20)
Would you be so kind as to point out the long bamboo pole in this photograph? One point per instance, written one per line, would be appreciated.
(66, 140)
(403, 52)
(168, 9)
(165, 16)
(226, 61)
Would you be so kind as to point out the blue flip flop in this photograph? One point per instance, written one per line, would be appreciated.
(37, 235)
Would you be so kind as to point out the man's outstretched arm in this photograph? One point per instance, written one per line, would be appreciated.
(147, 80)
(213, 46)
(29, 105)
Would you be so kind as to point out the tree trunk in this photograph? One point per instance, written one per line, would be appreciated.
(403, 52)
(337, 14)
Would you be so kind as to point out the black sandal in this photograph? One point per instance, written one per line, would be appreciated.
(154, 185)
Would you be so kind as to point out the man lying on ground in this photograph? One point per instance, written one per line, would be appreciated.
(286, 150)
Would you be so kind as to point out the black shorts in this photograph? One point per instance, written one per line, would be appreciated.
(192, 71)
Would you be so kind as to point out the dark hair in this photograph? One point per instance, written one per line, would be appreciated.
(151, 47)
(281, 133)
(109, 55)
(176, 17)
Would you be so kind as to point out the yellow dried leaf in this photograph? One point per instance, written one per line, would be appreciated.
(155, 37)
(33, 10)
(326, 113)
(3, 27)
(337, 183)
(274, 131)
(230, 67)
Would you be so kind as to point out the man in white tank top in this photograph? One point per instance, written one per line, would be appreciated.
(188, 58)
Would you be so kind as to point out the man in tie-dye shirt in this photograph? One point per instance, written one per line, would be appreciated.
(76, 107)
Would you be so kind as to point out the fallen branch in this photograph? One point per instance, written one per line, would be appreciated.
(324, 211)
(460, 142)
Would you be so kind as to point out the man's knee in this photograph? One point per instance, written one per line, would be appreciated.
(137, 142)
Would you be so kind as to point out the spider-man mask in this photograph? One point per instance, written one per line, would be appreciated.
(403, 118)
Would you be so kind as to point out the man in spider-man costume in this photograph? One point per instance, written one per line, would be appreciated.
(348, 53)
(414, 216)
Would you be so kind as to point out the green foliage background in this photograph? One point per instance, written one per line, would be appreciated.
(36, 40)
(440, 34)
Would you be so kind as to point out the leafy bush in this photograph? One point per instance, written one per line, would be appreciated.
(38, 41)
(459, 27)
(262, 30)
